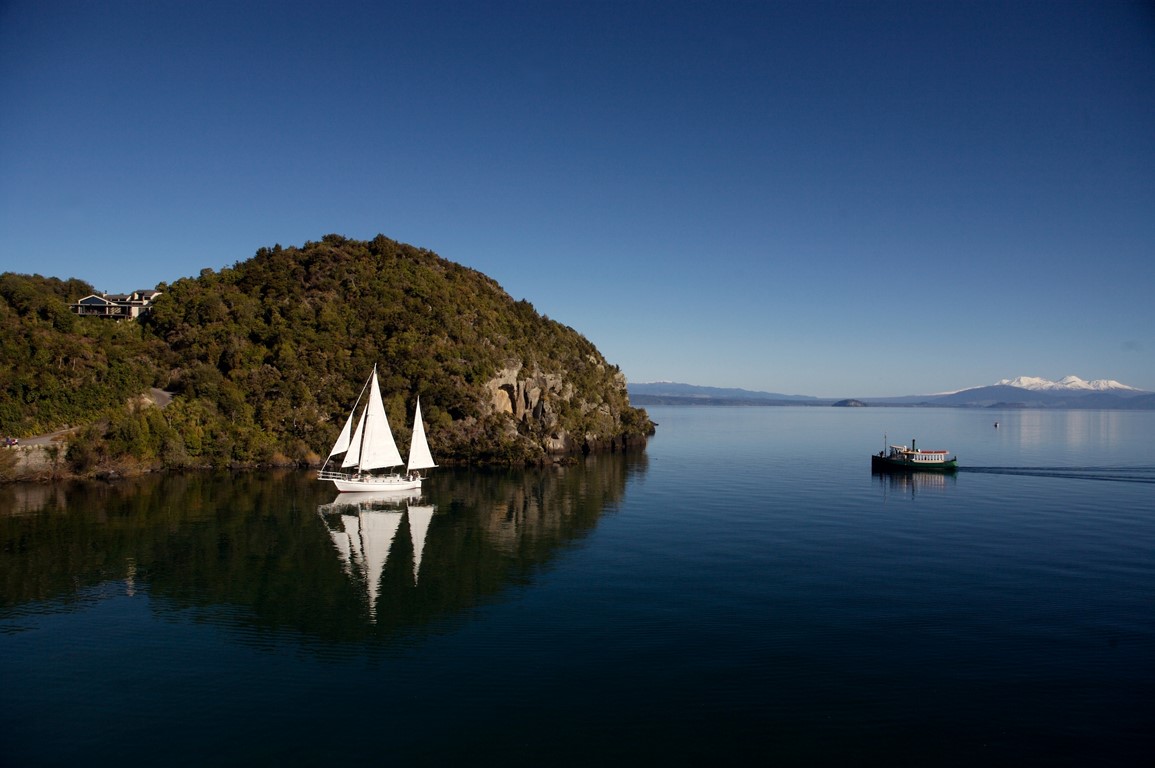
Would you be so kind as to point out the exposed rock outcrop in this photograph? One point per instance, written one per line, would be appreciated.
(527, 398)
(33, 462)
(535, 399)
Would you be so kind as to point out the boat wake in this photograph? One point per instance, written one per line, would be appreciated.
(1109, 474)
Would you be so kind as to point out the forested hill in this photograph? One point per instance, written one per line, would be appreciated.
(266, 357)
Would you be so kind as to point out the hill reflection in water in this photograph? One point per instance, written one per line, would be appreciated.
(272, 553)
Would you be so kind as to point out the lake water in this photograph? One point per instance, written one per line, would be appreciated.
(744, 592)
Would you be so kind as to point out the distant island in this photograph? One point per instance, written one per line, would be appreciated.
(258, 364)
(1023, 392)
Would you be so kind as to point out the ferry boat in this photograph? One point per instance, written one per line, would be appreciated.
(899, 458)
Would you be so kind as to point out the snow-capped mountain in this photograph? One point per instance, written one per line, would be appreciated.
(1065, 384)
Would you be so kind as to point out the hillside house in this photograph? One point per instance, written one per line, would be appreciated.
(119, 306)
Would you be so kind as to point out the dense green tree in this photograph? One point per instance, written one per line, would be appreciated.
(58, 369)
(266, 356)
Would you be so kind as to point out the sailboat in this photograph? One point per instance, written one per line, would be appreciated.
(370, 446)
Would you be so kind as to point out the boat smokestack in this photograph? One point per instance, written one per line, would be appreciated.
(913, 447)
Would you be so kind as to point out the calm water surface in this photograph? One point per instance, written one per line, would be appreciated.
(745, 591)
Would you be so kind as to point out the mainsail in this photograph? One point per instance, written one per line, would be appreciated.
(371, 445)
(377, 447)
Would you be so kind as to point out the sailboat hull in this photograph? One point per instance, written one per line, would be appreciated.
(353, 484)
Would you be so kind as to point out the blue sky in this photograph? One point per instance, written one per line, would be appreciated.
(835, 199)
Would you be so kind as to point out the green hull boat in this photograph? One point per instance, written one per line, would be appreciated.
(900, 458)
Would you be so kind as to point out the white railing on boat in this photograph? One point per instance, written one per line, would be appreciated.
(328, 474)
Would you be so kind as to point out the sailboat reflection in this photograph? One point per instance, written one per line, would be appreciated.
(419, 558)
(363, 527)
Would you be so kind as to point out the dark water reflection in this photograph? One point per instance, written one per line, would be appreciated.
(269, 552)
(746, 592)
(912, 483)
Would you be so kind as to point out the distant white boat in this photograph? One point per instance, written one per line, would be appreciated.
(371, 447)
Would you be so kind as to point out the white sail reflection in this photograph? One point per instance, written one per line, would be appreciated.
(362, 527)
(419, 519)
(343, 540)
(378, 528)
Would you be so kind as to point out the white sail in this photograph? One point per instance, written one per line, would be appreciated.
(419, 518)
(353, 455)
(419, 455)
(343, 442)
(378, 448)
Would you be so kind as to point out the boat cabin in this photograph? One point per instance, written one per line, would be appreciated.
(918, 456)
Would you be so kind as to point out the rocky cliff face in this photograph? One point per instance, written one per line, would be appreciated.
(531, 402)
(535, 400)
(33, 462)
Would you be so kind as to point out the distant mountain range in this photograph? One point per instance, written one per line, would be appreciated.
(673, 393)
(1067, 383)
(1020, 392)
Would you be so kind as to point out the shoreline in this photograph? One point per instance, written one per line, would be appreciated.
(43, 460)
